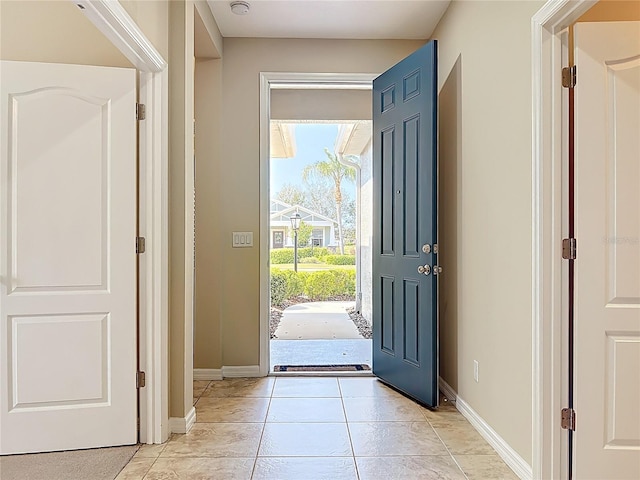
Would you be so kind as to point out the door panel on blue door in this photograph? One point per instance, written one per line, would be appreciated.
(405, 329)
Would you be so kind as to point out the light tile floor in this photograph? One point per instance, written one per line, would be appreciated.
(294, 428)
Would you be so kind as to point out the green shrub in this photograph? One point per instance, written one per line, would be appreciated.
(324, 284)
(340, 259)
(281, 255)
(295, 283)
(320, 285)
(278, 284)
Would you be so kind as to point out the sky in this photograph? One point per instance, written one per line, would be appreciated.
(311, 140)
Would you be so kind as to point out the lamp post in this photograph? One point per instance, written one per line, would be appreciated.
(295, 225)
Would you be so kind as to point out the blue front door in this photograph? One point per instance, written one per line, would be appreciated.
(405, 290)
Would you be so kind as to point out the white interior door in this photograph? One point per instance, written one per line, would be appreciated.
(67, 257)
(607, 306)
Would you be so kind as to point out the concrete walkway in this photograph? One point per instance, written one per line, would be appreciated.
(317, 321)
(320, 352)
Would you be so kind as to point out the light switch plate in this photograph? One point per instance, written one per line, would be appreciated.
(242, 239)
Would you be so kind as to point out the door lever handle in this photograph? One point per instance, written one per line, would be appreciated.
(424, 269)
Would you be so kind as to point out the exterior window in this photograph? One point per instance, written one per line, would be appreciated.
(317, 237)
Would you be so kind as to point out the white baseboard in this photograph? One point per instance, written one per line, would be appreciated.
(447, 390)
(207, 374)
(242, 371)
(508, 454)
(183, 425)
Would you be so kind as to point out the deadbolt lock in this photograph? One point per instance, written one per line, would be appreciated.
(426, 248)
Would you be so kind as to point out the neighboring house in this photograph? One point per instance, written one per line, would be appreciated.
(281, 233)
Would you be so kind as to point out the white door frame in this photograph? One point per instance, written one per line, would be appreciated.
(548, 192)
(116, 24)
(289, 80)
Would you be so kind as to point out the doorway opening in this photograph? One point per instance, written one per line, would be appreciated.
(316, 269)
(317, 254)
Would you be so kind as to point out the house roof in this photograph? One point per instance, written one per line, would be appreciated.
(306, 214)
(283, 140)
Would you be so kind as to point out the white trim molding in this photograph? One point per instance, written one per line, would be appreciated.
(207, 374)
(116, 24)
(508, 454)
(289, 80)
(183, 425)
(547, 26)
(447, 390)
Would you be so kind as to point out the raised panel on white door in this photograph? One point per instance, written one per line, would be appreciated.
(59, 242)
(623, 396)
(71, 373)
(623, 198)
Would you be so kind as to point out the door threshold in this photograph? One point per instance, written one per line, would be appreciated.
(366, 373)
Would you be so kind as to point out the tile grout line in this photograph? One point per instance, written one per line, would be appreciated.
(264, 425)
(344, 410)
(445, 446)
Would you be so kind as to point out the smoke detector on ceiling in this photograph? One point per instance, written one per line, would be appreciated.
(240, 8)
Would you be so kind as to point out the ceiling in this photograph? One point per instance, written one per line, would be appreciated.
(343, 19)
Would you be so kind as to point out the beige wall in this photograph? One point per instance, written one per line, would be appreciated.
(239, 167)
(449, 225)
(320, 104)
(490, 154)
(152, 16)
(53, 32)
(208, 92)
(181, 206)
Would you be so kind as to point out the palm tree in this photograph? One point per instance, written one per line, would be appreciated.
(336, 171)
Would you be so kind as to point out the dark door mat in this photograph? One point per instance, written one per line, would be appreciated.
(322, 368)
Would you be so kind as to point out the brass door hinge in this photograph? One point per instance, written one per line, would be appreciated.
(141, 245)
(140, 379)
(568, 419)
(569, 77)
(141, 111)
(569, 248)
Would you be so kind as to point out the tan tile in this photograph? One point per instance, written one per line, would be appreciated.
(366, 387)
(444, 416)
(150, 451)
(430, 467)
(292, 410)
(216, 440)
(382, 409)
(394, 439)
(305, 440)
(462, 439)
(307, 468)
(230, 410)
(199, 386)
(201, 469)
(306, 387)
(136, 469)
(240, 387)
(485, 467)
